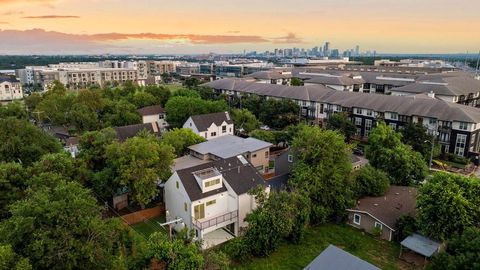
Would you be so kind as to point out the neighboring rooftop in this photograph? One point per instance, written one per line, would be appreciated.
(443, 85)
(240, 176)
(398, 201)
(204, 121)
(187, 161)
(130, 131)
(434, 108)
(270, 75)
(151, 110)
(229, 146)
(8, 79)
(334, 258)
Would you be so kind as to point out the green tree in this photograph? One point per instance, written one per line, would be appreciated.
(245, 120)
(447, 204)
(143, 99)
(386, 152)
(415, 135)
(63, 230)
(13, 109)
(263, 135)
(32, 101)
(93, 147)
(192, 82)
(9, 260)
(462, 252)
(186, 92)
(296, 82)
(13, 184)
(23, 142)
(121, 113)
(140, 163)
(161, 94)
(371, 182)
(166, 77)
(279, 114)
(279, 216)
(252, 103)
(322, 171)
(83, 118)
(341, 122)
(59, 163)
(55, 106)
(180, 139)
(205, 92)
(177, 254)
(179, 108)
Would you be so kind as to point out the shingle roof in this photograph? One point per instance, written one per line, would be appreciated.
(239, 175)
(269, 75)
(229, 146)
(204, 121)
(409, 106)
(443, 85)
(334, 80)
(130, 131)
(334, 258)
(151, 110)
(397, 202)
(8, 79)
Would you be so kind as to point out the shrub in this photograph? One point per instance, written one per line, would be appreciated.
(237, 249)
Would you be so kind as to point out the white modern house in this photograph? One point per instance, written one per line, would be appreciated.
(212, 198)
(154, 114)
(10, 89)
(210, 126)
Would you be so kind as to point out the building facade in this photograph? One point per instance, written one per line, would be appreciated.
(10, 89)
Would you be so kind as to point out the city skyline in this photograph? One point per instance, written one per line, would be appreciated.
(186, 27)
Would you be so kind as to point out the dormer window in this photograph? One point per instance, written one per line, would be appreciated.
(212, 182)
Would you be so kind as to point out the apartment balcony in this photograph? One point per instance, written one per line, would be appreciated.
(204, 223)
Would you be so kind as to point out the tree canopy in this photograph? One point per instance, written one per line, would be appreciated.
(180, 139)
(371, 182)
(245, 120)
(23, 142)
(322, 171)
(447, 204)
(386, 152)
(179, 108)
(341, 122)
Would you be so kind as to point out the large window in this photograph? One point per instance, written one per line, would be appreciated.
(224, 129)
(463, 126)
(212, 202)
(394, 116)
(460, 144)
(368, 126)
(369, 112)
(358, 111)
(358, 121)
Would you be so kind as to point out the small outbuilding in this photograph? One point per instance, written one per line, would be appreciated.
(334, 258)
(420, 245)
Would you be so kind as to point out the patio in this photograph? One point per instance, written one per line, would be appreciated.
(216, 237)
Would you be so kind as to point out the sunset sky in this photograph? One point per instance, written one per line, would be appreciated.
(224, 26)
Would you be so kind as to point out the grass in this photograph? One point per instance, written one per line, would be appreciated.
(454, 164)
(381, 253)
(173, 87)
(150, 226)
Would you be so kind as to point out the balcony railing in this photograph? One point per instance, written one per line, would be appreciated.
(215, 221)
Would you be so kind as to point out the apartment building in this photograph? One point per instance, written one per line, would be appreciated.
(456, 126)
(10, 89)
(212, 198)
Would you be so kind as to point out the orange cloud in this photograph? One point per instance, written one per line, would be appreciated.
(52, 17)
(7, 2)
(290, 38)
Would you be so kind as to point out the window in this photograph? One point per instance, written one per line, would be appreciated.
(213, 134)
(432, 121)
(212, 182)
(290, 158)
(393, 126)
(460, 144)
(378, 225)
(254, 155)
(463, 126)
(321, 108)
(211, 202)
(368, 126)
(161, 116)
(358, 121)
(224, 129)
(357, 219)
(266, 154)
(259, 168)
(358, 111)
(177, 185)
(185, 207)
(369, 112)
(394, 116)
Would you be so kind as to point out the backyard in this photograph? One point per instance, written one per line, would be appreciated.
(381, 253)
(150, 226)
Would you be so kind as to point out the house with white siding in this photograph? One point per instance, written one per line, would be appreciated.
(210, 126)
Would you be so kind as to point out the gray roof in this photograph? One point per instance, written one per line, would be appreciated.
(443, 85)
(204, 121)
(334, 258)
(130, 131)
(402, 105)
(151, 110)
(8, 79)
(421, 245)
(332, 79)
(239, 175)
(229, 146)
(269, 75)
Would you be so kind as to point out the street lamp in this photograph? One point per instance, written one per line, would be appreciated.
(431, 153)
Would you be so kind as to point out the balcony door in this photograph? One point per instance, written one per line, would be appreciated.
(199, 211)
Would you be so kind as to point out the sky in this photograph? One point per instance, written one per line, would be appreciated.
(231, 26)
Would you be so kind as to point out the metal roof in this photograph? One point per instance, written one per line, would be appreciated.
(421, 245)
(334, 258)
(229, 146)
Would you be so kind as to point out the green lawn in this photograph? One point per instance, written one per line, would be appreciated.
(150, 226)
(381, 253)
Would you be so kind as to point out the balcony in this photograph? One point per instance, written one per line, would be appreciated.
(207, 223)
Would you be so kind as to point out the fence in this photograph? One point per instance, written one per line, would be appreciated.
(141, 215)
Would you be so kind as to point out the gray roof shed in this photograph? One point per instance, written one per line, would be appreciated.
(334, 258)
(421, 245)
